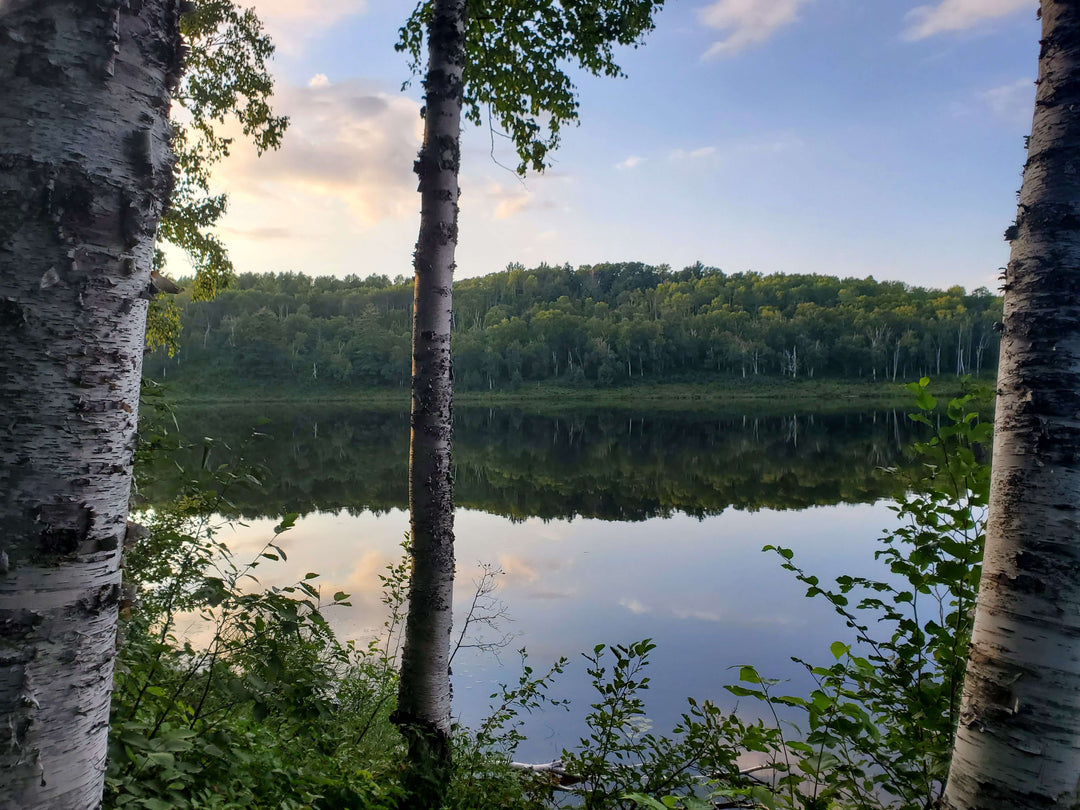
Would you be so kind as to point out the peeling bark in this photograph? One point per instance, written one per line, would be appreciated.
(84, 174)
(1018, 741)
(423, 711)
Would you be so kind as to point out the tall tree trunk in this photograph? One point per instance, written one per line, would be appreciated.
(423, 711)
(85, 169)
(1018, 742)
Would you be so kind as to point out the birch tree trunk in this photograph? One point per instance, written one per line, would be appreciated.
(1018, 742)
(423, 710)
(84, 173)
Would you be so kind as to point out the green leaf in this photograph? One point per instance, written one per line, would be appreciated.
(741, 691)
(287, 522)
(646, 801)
(748, 674)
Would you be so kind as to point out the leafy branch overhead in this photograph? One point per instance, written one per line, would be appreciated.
(520, 54)
(226, 82)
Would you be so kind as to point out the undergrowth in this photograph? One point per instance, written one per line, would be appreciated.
(229, 694)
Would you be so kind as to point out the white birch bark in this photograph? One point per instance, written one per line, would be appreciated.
(1018, 742)
(84, 171)
(423, 710)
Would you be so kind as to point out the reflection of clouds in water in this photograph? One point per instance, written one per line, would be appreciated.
(702, 589)
(551, 594)
(552, 530)
(515, 567)
(533, 578)
(365, 590)
(345, 550)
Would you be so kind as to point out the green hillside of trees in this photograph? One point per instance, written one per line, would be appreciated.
(598, 325)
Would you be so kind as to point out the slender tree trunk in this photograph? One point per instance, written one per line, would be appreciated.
(423, 711)
(85, 170)
(1018, 742)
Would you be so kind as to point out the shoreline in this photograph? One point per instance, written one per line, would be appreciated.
(820, 395)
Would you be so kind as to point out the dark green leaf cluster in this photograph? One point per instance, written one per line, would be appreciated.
(227, 696)
(518, 57)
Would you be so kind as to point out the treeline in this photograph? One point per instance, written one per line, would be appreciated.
(595, 325)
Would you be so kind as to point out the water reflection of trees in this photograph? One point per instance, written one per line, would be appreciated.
(611, 464)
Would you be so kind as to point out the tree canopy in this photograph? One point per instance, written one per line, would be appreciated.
(595, 325)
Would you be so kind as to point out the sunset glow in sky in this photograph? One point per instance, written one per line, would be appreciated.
(849, 137)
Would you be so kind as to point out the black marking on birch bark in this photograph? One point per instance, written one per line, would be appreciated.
(12, 213)
(101, 599)
(38, 68)
(131, 222)
(70, 199)
(66, 527)
(173, 55)
(112, 42)
(141, 147)
(14, 625)
(12, 315)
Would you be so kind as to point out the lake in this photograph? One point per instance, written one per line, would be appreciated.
(608, 527)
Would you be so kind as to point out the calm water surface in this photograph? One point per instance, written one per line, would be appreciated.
(609, 527)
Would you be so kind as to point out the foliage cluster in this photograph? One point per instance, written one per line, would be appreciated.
(225, 89)
(515, 73)
(228, 695)
(598, 325)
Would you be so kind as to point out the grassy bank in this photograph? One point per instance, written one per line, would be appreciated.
(771, 394)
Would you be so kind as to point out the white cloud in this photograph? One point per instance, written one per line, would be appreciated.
(699, 615)
(289, 22)
(634, 606)
(746, 22)
(542, 194)
(510, 206)
(347, 143)
(730, 151)
(959, 15)
(630, 162)
(693, 154)
(318, 80)
(1011, 102)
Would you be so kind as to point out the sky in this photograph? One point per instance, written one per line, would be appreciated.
(859, 138)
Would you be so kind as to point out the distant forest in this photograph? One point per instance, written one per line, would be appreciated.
(598, 325)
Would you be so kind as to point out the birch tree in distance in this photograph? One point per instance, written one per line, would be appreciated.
(509, 61)
(85, 171)
(1018, 741)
